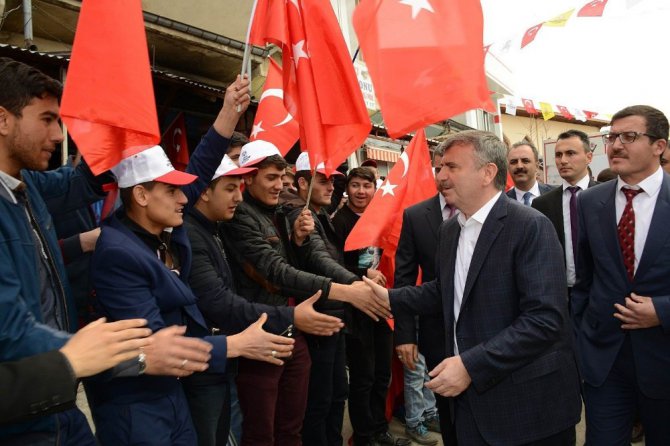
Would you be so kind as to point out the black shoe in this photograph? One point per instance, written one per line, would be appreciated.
(387, 439)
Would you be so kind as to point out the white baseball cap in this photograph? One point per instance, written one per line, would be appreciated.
(151, 164)
(302, 163)
(256, 151)
(229, 168)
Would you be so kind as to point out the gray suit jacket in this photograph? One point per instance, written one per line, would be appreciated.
(513, 331)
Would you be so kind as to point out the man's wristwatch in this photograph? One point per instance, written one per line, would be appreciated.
(142, 363)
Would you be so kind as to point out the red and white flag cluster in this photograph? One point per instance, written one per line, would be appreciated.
(547, 110)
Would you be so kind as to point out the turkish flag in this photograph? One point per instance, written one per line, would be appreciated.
(273, 123)
(175, 144)
(529, 106)
(320, 86)
(411, 180)
(530, 34)
(590, 114)
(593, 9)
(108, 102)
(425, 59)
(565, 112)
(509, 183)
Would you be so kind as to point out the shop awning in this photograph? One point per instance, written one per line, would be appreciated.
(378, 154)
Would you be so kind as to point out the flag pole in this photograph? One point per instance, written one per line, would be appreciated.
(246, 59)
(311, 185)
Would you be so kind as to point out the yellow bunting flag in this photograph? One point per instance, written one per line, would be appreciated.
(547, 111)
(560, 20)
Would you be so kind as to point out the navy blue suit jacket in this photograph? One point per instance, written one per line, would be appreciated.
(513, 331)
(417, 247)
(602, 281)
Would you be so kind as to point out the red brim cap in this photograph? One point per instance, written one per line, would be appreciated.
(328, 175)
(239, 171)
(177, 178)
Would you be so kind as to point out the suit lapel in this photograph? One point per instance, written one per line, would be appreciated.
(557, 213)
(434, 215)
(608, 226)
(490, 231)
(658, 229)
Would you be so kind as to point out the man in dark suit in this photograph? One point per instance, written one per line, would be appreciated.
(573, 156)
(623, 266)
(523, 161)
(416, 249)
(500, 287)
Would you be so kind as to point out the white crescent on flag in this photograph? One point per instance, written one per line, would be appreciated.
(405, 162)
(276, 93)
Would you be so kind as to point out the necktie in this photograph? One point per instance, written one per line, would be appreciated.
(448, 212)
(526, 198)
(626, 231)
(574, 224)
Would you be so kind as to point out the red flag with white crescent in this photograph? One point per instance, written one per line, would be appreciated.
(175, 144)
(530, 34)
(273, 123)
(593, 9)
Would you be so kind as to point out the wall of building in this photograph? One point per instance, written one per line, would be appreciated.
(539, 130)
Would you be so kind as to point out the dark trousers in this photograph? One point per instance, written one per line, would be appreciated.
(610, 408)
(72, 430)
(369, 353)
(468, 434)
(446, 424)
(328, 390)
(209, 401)
(273, 398)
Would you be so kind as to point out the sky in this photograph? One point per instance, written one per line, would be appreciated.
(599, 64)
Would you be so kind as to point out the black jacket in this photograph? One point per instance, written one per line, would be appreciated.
(343, 222)
(212, 283)
(263, 258)
(320, 255)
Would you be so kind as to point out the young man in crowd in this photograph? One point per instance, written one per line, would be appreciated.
(262, 247)
(141, 268)
(328, 384)
(523, 163)
(369, 343)
(213, 284)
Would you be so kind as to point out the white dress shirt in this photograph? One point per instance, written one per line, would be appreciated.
(583, 184)
(534, 192)
(643, 206)
(467, 240)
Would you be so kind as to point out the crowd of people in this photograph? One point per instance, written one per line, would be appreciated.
(217, 305)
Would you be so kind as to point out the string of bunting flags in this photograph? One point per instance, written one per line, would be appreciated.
(548, 111)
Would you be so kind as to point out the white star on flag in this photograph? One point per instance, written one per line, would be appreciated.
(417, 6)
(256, 129)
(298, 52)
(387, 188)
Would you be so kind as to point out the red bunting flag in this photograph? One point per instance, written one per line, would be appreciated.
(590, 114)
(409, 181)
(425, 59)
(563, 110)
(529, 106)
(593, 9)
(530, 34)
(327, 102)
(108, 103)
(273, 123)
(175, 144)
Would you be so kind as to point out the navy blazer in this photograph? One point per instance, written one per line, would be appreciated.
(602, 281)
(417, 248)
(513, 331)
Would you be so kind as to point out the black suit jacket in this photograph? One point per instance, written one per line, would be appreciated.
(37, 385)
(417, 248)
(551, 205)
(513, 331)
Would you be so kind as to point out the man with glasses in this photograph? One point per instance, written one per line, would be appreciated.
(621, 300)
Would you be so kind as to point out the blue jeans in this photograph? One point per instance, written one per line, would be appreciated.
(419, 401)
(208, 398)
(235, 414)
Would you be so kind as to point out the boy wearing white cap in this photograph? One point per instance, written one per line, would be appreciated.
(212, 283)
(262, 248)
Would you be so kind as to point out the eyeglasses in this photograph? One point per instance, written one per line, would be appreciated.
(625, 137)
